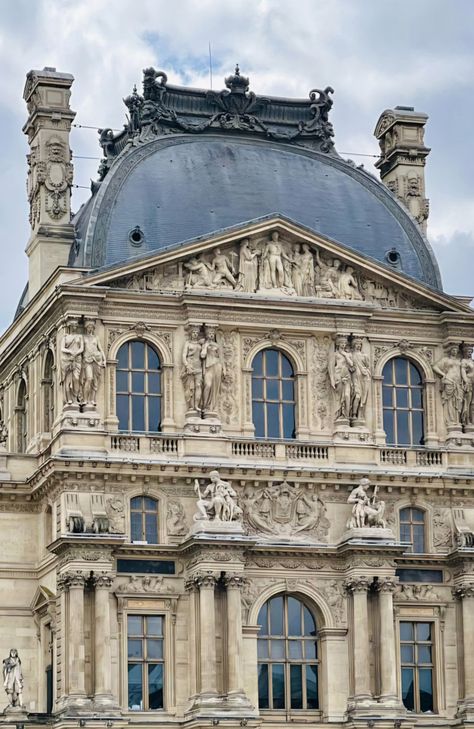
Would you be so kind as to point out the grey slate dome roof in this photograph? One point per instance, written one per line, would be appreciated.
(212, 176)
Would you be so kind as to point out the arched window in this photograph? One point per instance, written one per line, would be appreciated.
(402, 403)
(21, 418)
(47, 386)
(273, 395)
(138, 387)
(144, 519)
(412, 528)
(287, 655)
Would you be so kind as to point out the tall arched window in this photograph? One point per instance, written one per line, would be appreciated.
(47, 386)
(21, 418)
(412, 528)
(138, 387)
(402, 403)
(273, 395)
(144, 519)
(287, 655)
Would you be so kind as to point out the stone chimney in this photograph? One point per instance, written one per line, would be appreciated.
(50, 172)
(400, 132)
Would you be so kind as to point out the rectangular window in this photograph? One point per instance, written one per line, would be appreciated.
(145, 651)
(417, 666)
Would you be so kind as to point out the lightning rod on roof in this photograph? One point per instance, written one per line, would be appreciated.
(210, 63)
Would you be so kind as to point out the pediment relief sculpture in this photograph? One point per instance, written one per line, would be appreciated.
(271, 265)
(285, 510)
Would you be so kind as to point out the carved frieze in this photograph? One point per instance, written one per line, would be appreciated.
(416, 592)
(143, 584)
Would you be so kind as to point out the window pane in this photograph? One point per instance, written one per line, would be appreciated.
(309, 624)
(288, 421)
(273, 420)
(418, 515)
(295, 649)
(122, 357)
(426, 689)
(262, 649)
(273, 389)
(136, 526)
(257, 364)
(134, 625)
(135, 687)
(401, 371)
(277, 648)
(154, 648)
(405, 515)
(401, 397)
(294, 617)
(415, 375)
(155, 686)
(417, 424)
(405, 532)
(122, 412)
(286, 368)
(154, 383)
(423, 631)
(258, 419)
(276, 616)
(138, 382)
(138, 355)
(388, 426)
(154, 626)
(262, 619)
(263, 686)
(408, 696)
(153, 359)
(122, 381)
(154, 414)
(387, 396)
(312, 687)
(406, 631)
(271, 362)
(403, 431)
(138, 412)
(288, 392)
(278, 685)
(418, 538)
(296, 687)
(310, 649)
(257, 388)
(151, 527)
(134, 648)
(424, 654)
(150, 504)
(407, 654)
(387, 372)
(416, 398)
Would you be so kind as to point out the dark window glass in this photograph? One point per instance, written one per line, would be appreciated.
(146, 566)
(412, 528)
(287, 655)
(138, 385)
(47, 386)
(402, 397)
(273, 395)
(22, 418)
(144, 520)
(414, 575)
(416, 652)
(146, 663)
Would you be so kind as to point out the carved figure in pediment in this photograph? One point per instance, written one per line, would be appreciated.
(305, 262)
(273, 273)
(248, 267)
(367, 511)
(200, 273)
(213, 371)
(93, 362)
(361, 377)
(192, 370)
(348, 286)
(467, 374)
(72, 347)
(222, 268)
(448, 368)
(329, 277)
(218, 501)
(340, 369)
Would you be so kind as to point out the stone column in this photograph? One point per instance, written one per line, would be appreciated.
(234, 584)
(388, 662)
(207, 629)
(75, 581)
(465, 593)
(358, 588)
(102, 651)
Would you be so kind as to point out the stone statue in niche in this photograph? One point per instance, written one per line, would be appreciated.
(361, 377)
(72, 347)
(93, 363)
(3, 434)
(467, 374)
(192, 372)
(13, 679)
(218, 501)
(367, 511)
(175, 519)
(213, 371)
(203, 369)
(115, 511)
(448, 368)
(248, 267)
(340, 369)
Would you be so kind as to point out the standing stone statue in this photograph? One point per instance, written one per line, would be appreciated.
(13, 679)
(366, 511)
(248, 267)
(273, 272)
(361, 376)
(340, 368)
(217, 502)
(467, 374)
(72, 347)
(452, 392)
(213, 371)
(306, 263)
(93, 362)
(192, 370)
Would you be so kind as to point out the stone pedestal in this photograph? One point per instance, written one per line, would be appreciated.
(216, 526)
(368, 534)
(209, 426)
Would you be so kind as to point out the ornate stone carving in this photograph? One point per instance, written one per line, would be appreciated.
(54, 175)
(13, 679)
(334, 593)
(320, 391)
(467, 376)
(205, 580)
(236, 581)
(360, 381)
(357, 584)
(448, 368)
(386, 584)
(442, 533)
(203, 369)
(284, 510)
(251, 591)
(418, 592)
(71, 578)
(366, 511)
(115, 510)
(82, 361)
(93, 363)
(218, 501)
(72, 347)
(143, 584)
(465, 591)
(103, 580)
(228, 401)
(340, 367)
(175, 519)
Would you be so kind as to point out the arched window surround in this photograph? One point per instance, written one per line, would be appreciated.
(431, 436)
(161, 506)
(302, 394)
(428, 517)
(21, 416)
(168, 424)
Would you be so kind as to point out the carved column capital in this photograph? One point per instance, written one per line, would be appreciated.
(357, 584)
(386, 584)
(235, 581)
(201, 581)
(191, 584)
(461, 592)
(103, 581)
(71, 578)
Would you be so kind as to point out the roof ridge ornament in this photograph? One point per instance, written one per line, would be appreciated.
(236, 83)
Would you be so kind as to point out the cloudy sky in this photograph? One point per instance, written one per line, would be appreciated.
(375, 53)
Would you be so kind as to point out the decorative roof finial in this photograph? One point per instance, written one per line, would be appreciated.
(236, 83)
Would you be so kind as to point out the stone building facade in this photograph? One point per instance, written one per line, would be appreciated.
(237, 427)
